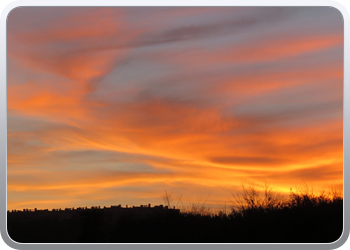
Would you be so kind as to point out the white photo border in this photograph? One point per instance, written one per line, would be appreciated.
(156, 246)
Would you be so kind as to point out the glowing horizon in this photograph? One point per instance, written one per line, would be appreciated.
(115, 105)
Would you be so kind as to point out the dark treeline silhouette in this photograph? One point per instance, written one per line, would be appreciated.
(302, 218)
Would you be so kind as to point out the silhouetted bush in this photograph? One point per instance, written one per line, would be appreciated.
(302, 217)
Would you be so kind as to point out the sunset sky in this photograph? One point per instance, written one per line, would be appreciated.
(116, 105)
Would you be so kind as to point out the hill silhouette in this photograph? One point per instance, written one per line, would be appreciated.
(302, 218)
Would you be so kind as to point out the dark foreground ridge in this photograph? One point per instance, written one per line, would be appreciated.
(114, 212)
(80, 224)
(303, 219)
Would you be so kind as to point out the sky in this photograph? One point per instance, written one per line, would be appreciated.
(117, 105)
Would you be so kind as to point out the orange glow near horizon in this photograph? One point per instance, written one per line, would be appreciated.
(117, 105)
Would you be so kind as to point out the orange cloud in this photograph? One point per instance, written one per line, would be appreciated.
(105, 107)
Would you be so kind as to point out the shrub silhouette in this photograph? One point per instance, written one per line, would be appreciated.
(302, 217)
(250, 199)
